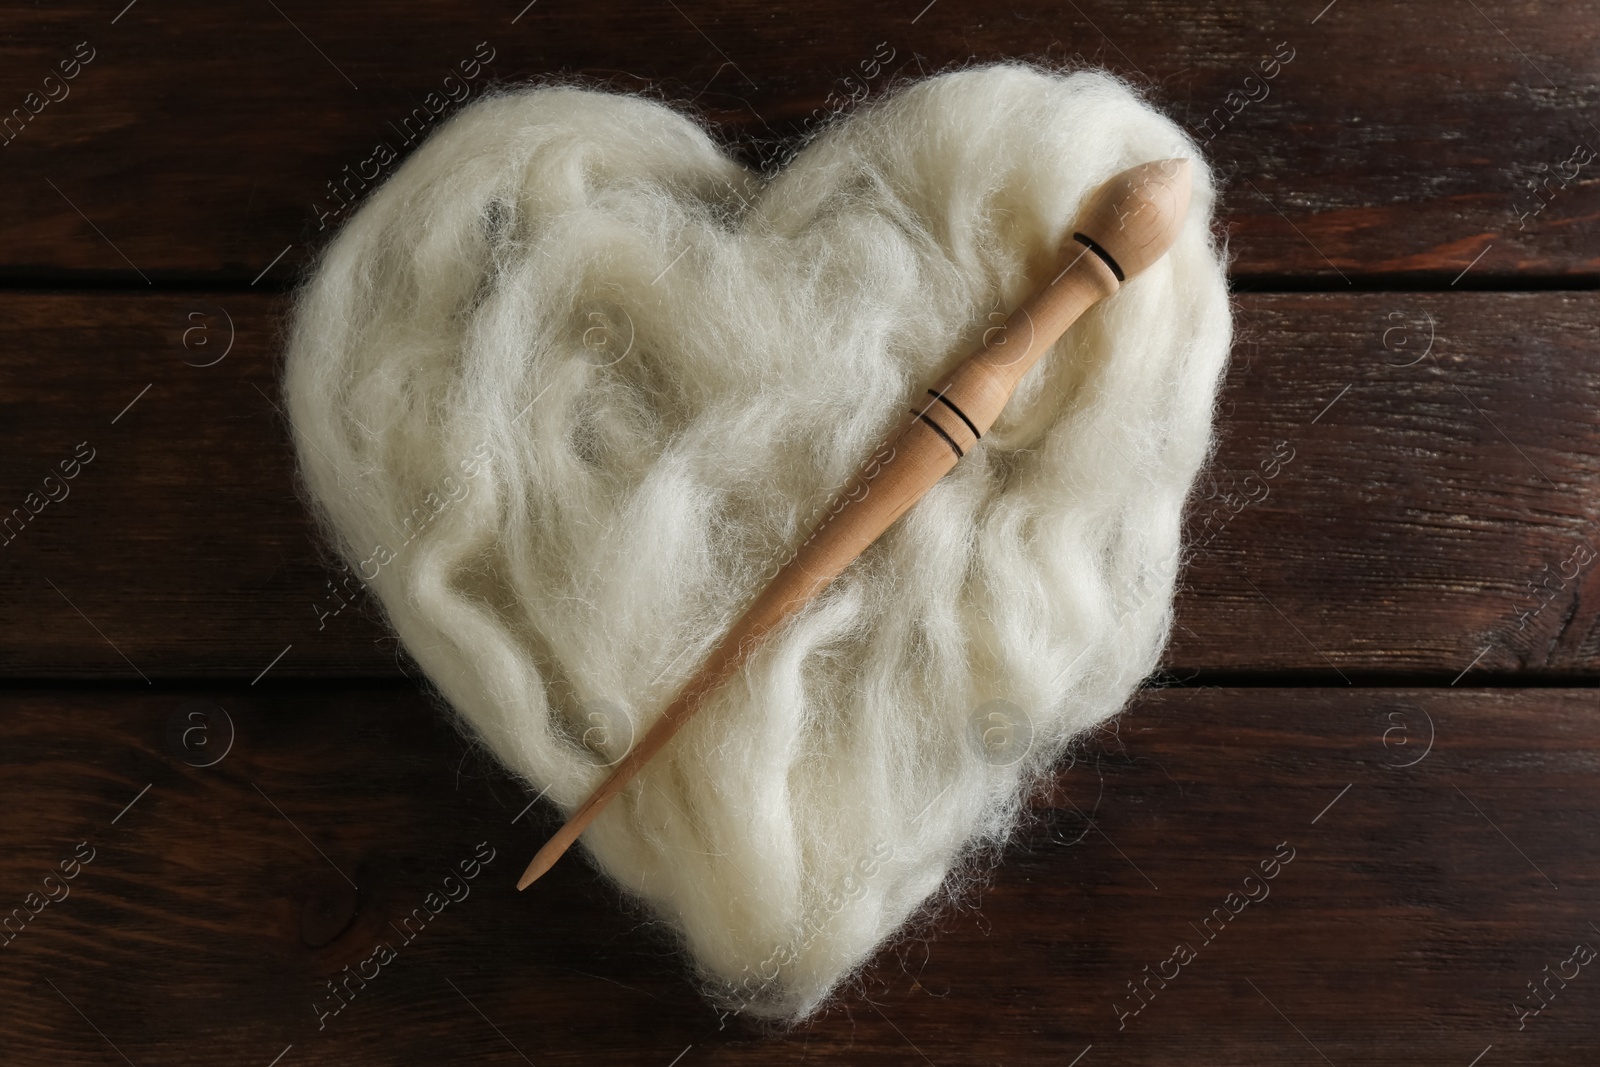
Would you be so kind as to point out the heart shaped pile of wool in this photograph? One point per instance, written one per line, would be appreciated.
(568, 387)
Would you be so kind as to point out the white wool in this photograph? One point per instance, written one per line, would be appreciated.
(571, 384)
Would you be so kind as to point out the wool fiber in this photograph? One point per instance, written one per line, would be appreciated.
(571, 384)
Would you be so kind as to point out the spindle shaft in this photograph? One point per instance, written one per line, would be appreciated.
(1127, 224)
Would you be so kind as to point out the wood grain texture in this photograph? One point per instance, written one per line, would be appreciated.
(1444, 850)
(1362, 140)
(1360, 514)
(1404, 487)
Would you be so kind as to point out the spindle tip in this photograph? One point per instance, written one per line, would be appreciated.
(543, 860)
(1136, 216)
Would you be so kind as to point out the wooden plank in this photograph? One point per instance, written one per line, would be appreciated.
(1400, 518)
(1437, 852)
(1438, 511)
(198, 141)
(140, 570)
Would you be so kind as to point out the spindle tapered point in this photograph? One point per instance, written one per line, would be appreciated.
(543, 860)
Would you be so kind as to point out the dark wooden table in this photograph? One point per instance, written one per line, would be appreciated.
(1384, 670)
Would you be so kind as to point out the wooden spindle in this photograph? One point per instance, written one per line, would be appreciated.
(1127, 224)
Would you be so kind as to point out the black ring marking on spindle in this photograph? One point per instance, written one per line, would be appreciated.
(940, 431)
(962, 415)
(1105, 257)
